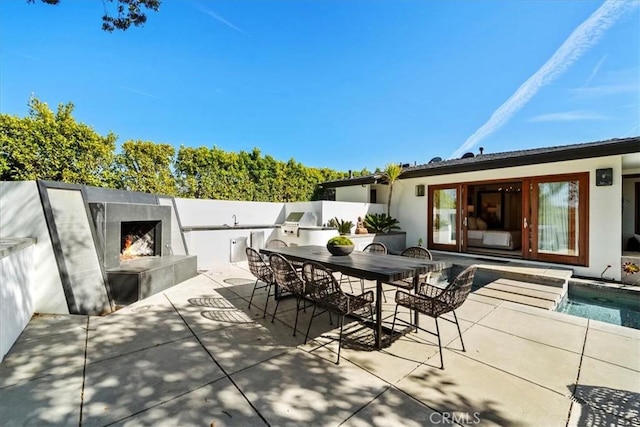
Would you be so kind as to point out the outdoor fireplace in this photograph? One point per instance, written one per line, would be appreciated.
(134, 240)
(127, 231)
(138, 239)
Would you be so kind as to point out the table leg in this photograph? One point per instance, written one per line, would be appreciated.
(378, 314)
(416, 288)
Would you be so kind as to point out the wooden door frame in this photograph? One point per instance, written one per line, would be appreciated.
(529, 216)
(439, 246)
(583, 223)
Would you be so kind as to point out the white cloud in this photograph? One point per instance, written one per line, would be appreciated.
(595, 70)
(631, 131)
(605, 90)
(581, 40)
(219, 19)
(568, 116)
(139, 92)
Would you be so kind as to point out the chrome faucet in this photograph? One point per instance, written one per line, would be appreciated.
(235, 220)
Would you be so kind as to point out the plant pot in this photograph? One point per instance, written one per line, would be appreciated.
(340, 250)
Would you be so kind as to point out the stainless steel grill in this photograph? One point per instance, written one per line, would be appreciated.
(295, 220)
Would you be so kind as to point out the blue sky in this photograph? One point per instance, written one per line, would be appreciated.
(338, 84)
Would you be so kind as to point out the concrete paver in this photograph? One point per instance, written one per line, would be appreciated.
(300, 389)
(470, 389)
(51, 400)
(606, 394)
(218, 404)
(613, 348)
(534, 327)
(388, 409)
(120, 387)
(195, 354)
(544, 365)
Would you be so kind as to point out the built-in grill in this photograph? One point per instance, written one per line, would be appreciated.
(295, 220)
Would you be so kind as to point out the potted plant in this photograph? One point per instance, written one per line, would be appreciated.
(380, 223)
(340, 245)
(344, 227)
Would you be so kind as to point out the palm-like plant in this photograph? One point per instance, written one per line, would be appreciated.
(380, 223)
(344, 227)
(391, 172)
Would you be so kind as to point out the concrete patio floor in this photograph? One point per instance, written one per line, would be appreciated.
(196, 355)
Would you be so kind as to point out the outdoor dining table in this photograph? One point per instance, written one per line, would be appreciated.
(383, 268)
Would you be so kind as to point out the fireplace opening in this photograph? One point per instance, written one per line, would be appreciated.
(139, 239)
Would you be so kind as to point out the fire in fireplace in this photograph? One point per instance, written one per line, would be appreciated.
(138, 239)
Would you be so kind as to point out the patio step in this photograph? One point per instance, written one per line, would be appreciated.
(531, 294)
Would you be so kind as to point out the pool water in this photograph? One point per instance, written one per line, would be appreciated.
(597, 307)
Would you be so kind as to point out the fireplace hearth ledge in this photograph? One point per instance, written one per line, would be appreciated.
(142, 277)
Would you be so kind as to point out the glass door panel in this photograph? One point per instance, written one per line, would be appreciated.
(443, 221)
(558, 211)
(558, 226)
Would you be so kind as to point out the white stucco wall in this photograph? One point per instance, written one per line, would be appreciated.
(350, 211)
(201, 212)
(356, 193)
(214, 247)
(604, 215)
(21, 215)
(16, 300)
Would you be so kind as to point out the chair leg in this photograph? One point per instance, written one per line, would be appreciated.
(459, 333)
(275, 311)
(253, 292)
(348, 280)
(266, 303)
(373, 322)
(306, 337)
(295, 325)
(395, 314)
(439, 344)
(340, 339)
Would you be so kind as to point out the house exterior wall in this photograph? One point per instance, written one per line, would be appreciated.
(604, 214)
(356, 193)
(349, 211)
(382, 193)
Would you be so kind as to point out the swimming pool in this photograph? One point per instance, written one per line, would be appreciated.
(603, 302)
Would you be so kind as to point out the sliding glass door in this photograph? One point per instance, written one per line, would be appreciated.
(541, 218)
(444, 223)
(558, 218)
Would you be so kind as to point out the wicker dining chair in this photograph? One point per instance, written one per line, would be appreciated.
(375, 248)
(276, 243)
(414, 252)
(434, 301)
(325, 292)
(289, 280)
(263, 273)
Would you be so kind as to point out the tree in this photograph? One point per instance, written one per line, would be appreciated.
(145, 166)
(391, 172)
(53, 146)
(129, 12)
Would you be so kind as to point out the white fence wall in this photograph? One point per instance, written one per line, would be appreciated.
(203, 221)
(197, 212)
(21, 215)
(16, 299)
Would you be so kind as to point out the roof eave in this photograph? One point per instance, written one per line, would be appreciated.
(619, 148)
